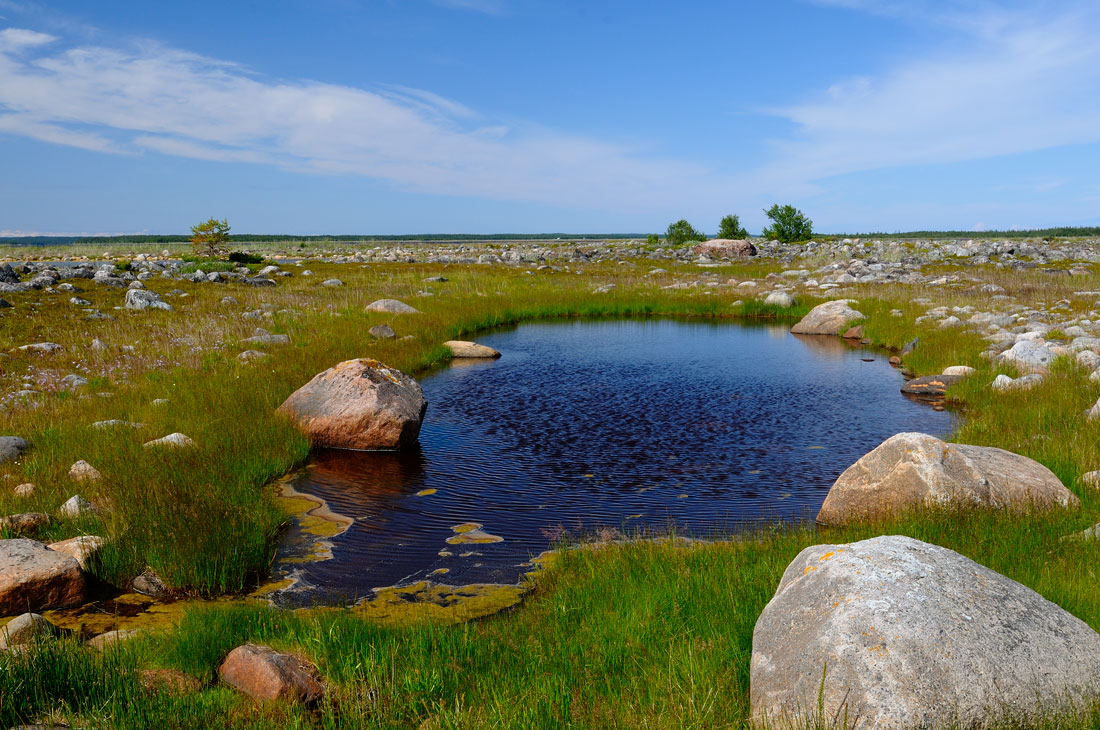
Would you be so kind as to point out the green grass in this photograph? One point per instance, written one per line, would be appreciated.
(636, 635)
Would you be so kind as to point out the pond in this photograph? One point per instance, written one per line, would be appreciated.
(607, 428)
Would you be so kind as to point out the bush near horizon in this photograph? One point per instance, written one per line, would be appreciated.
(789, 224)
(682, 232)
(730, 227)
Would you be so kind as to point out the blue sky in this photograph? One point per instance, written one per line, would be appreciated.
(427, 116)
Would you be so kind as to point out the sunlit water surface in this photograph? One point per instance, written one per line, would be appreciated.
(584, 427)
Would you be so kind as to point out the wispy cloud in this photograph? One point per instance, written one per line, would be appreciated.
(154, 98)
(1025, 82)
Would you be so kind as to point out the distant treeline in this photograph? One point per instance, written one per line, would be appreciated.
(262, 238)
(1062, 232)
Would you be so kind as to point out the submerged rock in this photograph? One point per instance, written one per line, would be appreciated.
(148, 583)
(893, 633)
(265, 674)
(359, 404)
(829, 318)
(914, 470)
(34, 578)
(930, 385)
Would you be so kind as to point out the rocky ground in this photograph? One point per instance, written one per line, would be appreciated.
(1034, 307)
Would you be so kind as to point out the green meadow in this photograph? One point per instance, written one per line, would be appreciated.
(647, 634)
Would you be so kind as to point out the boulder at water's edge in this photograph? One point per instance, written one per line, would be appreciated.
(359, 404)
(830, 318)
(914, 470)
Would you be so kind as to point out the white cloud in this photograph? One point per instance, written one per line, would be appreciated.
(173, 102)
(1024, 83)
(15, 39)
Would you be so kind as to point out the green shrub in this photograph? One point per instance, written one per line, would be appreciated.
(243, 257)
(123, 266)
(730, 227)
(789, 224)
(681, 232)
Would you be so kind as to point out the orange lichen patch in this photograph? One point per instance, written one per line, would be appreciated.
(809, 569)
(827, 555)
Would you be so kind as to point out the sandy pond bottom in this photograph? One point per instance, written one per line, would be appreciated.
(584, 428)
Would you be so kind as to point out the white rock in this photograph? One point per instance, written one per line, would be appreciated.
(177, 440)
(82, 471)
(963, 370)
(76, 506)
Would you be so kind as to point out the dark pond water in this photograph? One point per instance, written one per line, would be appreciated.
(586, 426)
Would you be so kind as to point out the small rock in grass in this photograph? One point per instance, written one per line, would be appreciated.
(110, 638)
(11, 448)
(392, 306)
(83, 549)
(77, 506)
(5, 304)
(74, 381)
(148, 583)
(25, 628)
(267, 339)
(250, 355)
(116, 423)
(959, 370)
(24, 522)
(78, 302)
(462, 348)
(1091, 479)
(1093, 412)
(83, 472)
(25, 489)
(604, 289)
(160, 401)
(382, 332)
(436, 279)
(98, 344)
(140, 299)
(178, 440)
(230, 302)
(265, 674)
(1088, 360)
(332, 283)
(42, 347)
(779, 299)
(170, 681)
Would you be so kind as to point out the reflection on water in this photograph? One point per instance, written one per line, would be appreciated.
(635, 426)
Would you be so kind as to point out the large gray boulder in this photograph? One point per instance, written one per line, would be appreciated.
(830, 318)
(1029, 356)
(915, 470)
(726, 248)
(896, 633)
(35, 578)
(359, 404)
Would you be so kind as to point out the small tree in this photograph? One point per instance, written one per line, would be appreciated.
(681, 232)
(730, 227)
(209, 238)
(788, 224)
